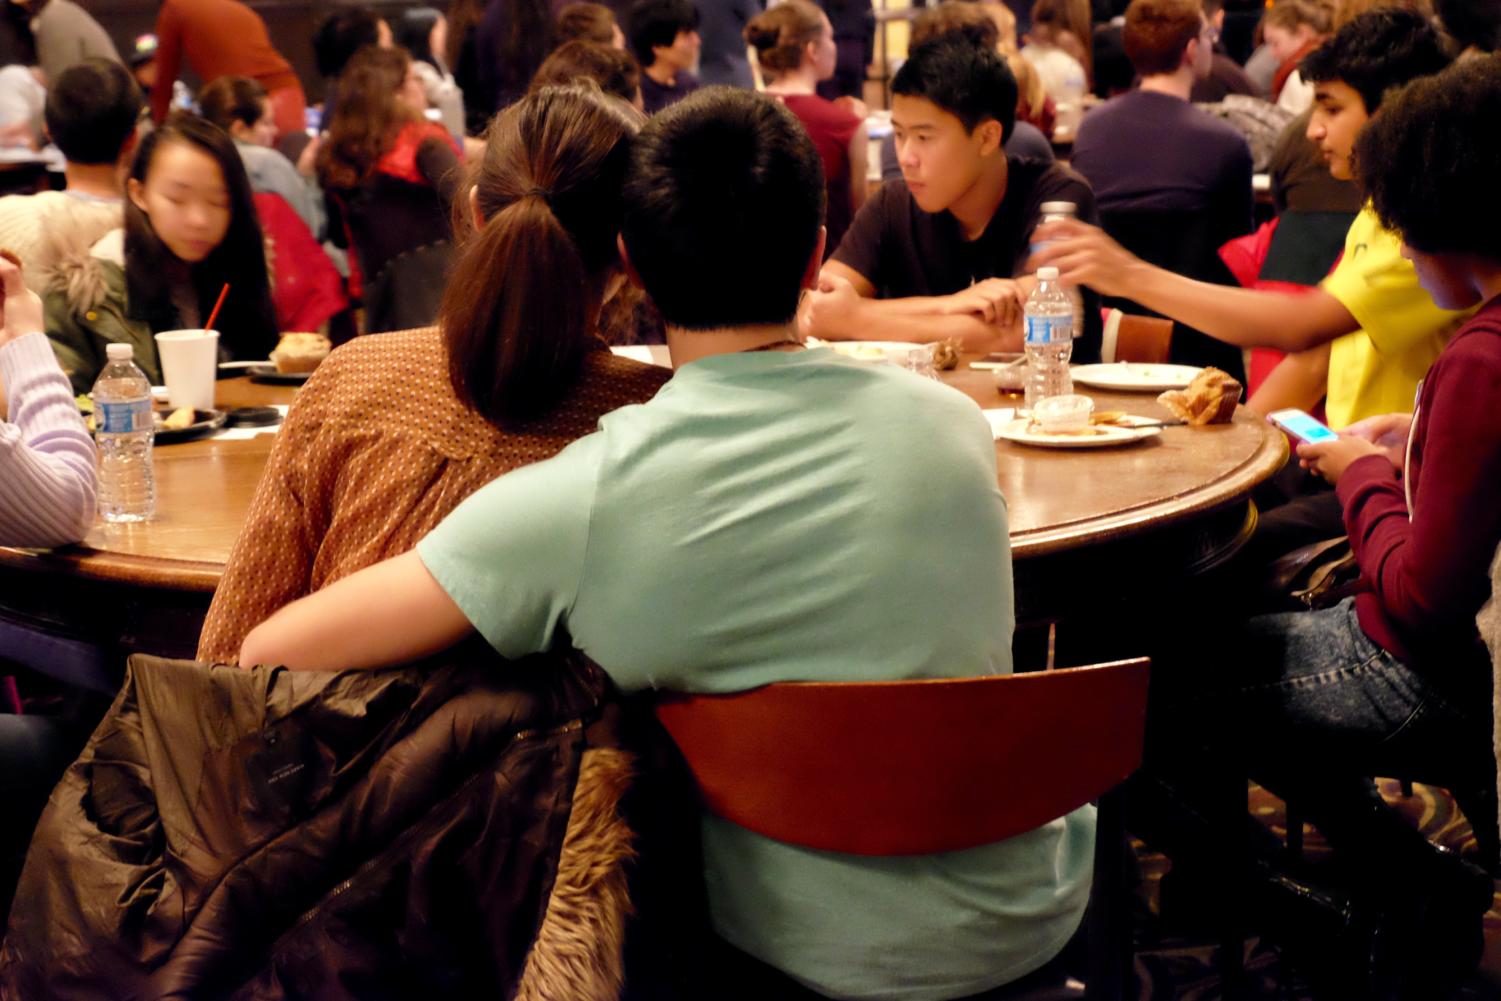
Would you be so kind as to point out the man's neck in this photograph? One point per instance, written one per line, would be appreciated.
(977, 206)
(1485, 276)
(663, 73)
(690, 345)
(92, 179)
(1179, 84)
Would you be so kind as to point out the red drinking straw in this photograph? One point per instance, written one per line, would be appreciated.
(214, 313)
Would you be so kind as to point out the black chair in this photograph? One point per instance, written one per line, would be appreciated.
(1185, 243)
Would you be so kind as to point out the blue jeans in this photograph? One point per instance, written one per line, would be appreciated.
(1310, 707)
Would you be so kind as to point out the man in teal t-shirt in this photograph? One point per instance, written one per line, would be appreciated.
(773, 514)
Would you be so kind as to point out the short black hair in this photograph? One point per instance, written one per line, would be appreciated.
(657, 22)
(92, 110)
(341, 35)
(1472, 23)
(1377, 51)
(1430, 169)
(724, 198)
(969, 82)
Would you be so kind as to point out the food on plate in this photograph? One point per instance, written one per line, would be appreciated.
(946, 355)
(1108, 417)
(1063, 414)
(177, 420)
(1209, 399)
(300, 352)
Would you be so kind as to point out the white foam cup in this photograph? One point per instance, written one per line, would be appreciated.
(190, 363)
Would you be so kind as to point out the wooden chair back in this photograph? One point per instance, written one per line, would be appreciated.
(912, 767)
(1147, 339)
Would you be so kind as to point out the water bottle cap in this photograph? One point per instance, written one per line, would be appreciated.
(119, 352)
(1044, 274)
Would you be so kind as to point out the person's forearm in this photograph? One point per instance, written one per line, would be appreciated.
(1249, 318)
(389, 613)
(46, 455)
(1299, 381)
(919, 320)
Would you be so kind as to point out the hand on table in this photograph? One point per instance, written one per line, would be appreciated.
(1330, 459)
(1387, 432)
(828, 311)
(997, 301)
(1084, 255)
(22, 307)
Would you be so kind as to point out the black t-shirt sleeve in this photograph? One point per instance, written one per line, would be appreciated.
(868, 240)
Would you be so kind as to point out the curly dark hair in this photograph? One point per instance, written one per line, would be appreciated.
(1429, 171)
(1377, 51)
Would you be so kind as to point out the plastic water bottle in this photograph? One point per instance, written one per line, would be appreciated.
(1052, 212)
(124, 432)
(1050, 338)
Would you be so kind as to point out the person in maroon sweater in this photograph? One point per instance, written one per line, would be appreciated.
(1396, 680)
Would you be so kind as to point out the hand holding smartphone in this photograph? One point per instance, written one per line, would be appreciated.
(1302, 426)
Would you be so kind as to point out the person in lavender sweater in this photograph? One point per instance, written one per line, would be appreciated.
(46, 454)
(46, 499)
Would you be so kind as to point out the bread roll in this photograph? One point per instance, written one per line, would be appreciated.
(300, 352)
(1210, 398)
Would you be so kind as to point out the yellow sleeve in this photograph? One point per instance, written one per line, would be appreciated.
(1380, 289)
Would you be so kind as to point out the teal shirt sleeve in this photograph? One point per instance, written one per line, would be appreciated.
(511, 556)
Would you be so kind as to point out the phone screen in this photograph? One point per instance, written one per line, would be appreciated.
(1301, 425)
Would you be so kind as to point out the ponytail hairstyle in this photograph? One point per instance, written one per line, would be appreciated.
(366, 119)
(781, 35)
(247, 323)
(523, 300)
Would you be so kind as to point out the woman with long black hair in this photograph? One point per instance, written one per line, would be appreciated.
(190, 229)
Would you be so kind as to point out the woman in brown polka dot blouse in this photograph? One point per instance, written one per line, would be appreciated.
(394, 430)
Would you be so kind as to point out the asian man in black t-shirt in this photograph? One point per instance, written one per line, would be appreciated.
(940, 254)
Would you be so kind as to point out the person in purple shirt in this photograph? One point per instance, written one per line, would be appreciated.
(1172, 182)
(664, 36)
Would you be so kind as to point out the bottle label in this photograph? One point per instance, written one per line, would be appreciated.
(1050, 329)
(123, 417)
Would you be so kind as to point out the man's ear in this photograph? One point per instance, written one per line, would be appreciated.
(625, 262)
(992, 136)
(815, 263)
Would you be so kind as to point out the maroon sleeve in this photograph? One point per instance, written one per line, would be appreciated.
(1431, 572)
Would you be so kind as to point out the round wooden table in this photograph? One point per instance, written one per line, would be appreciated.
(1117, 521)
(147, 587)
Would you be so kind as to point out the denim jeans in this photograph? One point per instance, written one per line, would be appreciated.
(1310, 707)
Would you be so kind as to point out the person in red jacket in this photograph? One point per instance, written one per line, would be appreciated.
(224, 38)
(1396, 680)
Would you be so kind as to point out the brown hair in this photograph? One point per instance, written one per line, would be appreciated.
(367, 117)
(1157, 32)
(969, 20)
(522, 303)
(1288, 14)
(231, 99)
(614, 70)
(589, 22)
(1067, 25)
(781, 35)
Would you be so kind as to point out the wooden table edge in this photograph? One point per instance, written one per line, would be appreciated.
(1232, 489)
(177, 575)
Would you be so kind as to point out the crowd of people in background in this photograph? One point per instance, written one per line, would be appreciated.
(487, 191)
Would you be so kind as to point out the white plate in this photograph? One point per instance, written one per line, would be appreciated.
(1134, 377)
(873, 351)
(1019, 431)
